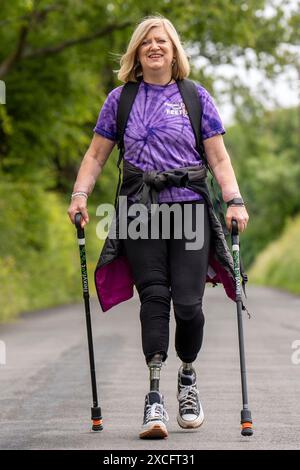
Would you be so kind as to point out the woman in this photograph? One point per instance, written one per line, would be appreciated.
(159, 136)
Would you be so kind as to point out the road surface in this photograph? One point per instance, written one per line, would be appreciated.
(45, 385)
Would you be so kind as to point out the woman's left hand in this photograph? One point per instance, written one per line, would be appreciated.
(240, 214)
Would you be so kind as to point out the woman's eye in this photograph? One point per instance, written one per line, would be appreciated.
(160, 40)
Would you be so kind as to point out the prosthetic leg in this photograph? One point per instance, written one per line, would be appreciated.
(187, 366)
(155, 365)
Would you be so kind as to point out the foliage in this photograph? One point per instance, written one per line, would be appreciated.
(279, 264)
(40, 264)
(265, 157)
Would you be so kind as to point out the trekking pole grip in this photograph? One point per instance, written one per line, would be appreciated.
(235, 229)
(80, 230)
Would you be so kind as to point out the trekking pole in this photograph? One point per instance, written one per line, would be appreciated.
(95, 410)
(246, 420)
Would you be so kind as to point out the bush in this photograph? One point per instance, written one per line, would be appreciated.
(40, 264)
(279, 264)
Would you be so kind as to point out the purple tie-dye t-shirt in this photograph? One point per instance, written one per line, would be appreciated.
(159, 135)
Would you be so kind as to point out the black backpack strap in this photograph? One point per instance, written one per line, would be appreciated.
(192, 102)
(189, 93)
(127, 97)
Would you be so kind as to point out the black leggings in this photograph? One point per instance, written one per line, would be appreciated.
(164, 269)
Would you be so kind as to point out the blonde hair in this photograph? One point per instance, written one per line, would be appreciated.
(131, 69)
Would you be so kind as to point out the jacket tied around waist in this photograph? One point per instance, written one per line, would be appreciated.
(113, 278)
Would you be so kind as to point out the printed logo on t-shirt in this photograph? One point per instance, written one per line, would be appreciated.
(176, 108)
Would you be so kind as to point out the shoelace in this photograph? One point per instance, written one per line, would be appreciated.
(188, 397)
(156, 411)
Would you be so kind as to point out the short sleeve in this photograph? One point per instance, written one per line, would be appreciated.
(107, 120)
(211, 123)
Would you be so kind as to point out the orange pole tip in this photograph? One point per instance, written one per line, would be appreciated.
(246, 425)
(97, 422)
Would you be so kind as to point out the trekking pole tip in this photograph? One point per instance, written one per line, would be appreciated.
(97, 425)
(247, 429)
(96, 418)
(246, 422)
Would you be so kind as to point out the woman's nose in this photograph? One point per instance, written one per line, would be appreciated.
(154, 45)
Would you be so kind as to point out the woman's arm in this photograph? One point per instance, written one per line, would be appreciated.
(221, 166)
(93, 161)
(220, 163)
(90, 168)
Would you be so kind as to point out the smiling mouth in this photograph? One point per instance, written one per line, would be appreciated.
(155, 56)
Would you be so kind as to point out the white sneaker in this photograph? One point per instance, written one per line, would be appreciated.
(190, 413)
(155, 417)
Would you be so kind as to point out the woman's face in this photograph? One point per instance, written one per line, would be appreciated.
(156, 51)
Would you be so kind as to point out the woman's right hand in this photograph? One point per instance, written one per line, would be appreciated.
(79, 204)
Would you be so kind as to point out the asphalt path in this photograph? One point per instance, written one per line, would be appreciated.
(45, 384)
